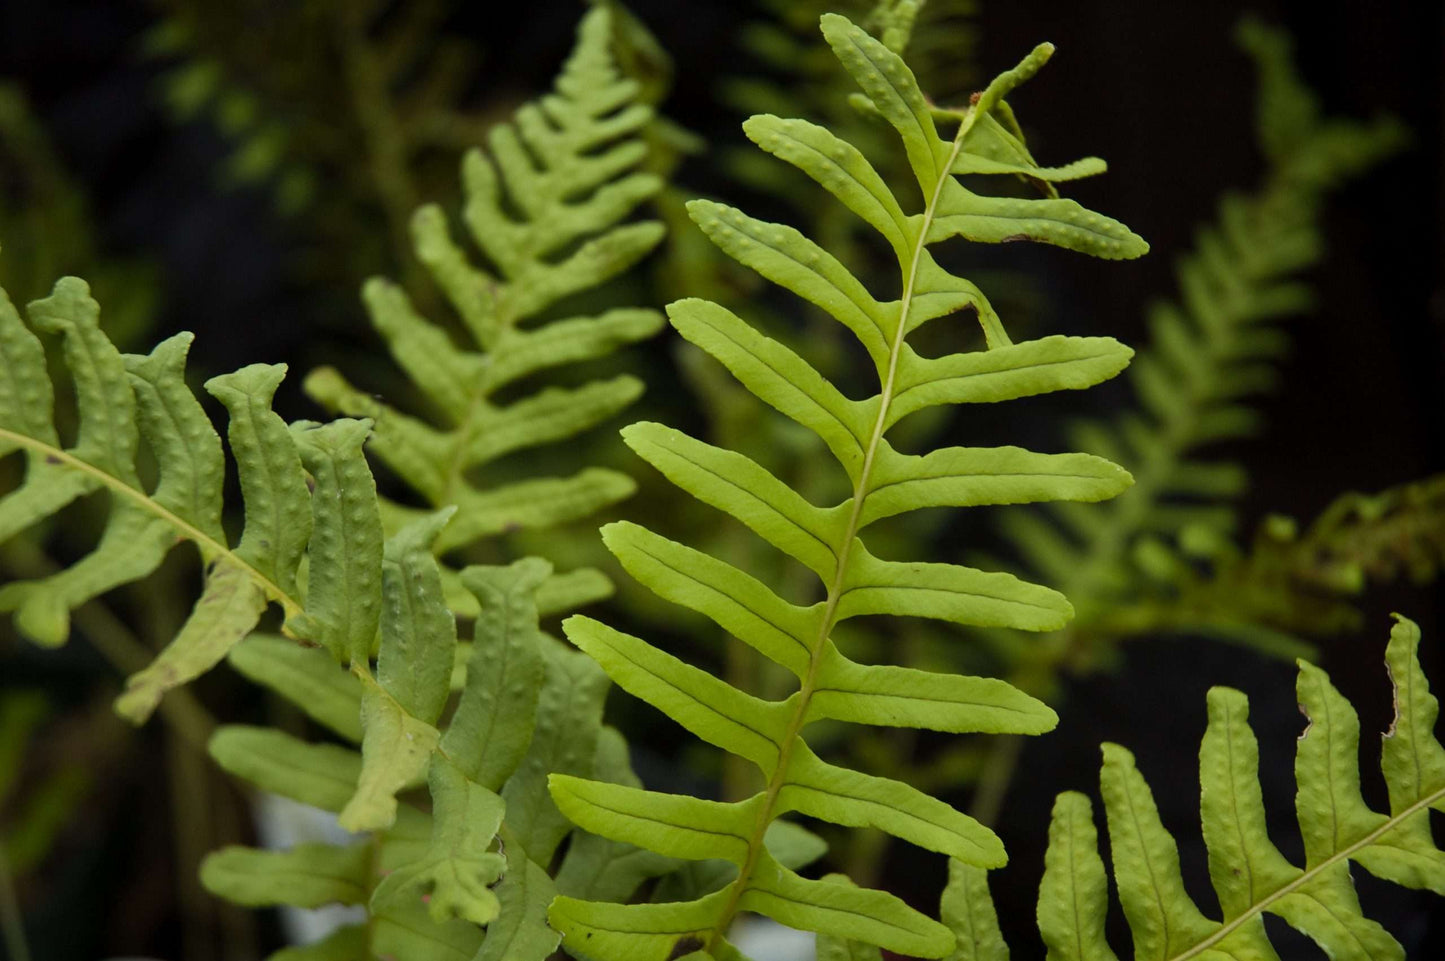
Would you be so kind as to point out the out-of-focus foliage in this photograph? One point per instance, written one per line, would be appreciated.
(547, 206)
(1292, 580)
(47, 230)
(1214, 350)
(351, 113)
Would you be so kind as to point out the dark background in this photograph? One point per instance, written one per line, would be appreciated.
(1159, 89)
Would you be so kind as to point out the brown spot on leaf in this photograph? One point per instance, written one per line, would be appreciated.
(685, 947)
(1014, 238)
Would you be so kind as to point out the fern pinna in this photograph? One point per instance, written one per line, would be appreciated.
(123, 401)
(525, 706)
(885, 482)
(1250, 876)
(546, 209)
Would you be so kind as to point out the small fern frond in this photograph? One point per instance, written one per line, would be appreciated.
(827, 541)
(1250, 876)
(127, 403)
(546, 207)
(1214, 349)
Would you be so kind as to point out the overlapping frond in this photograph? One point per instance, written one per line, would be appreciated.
(827, 541)
(128, 404)
(1214, 349)
(546, 206)
(1249, 874)
(525, 706)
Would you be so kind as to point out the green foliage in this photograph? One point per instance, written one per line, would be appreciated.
(1291, 581)
(546, 208)
(1213, 350)
(350, 114)
(802, 80)
(525, 706)
(826, 540)
(124, 400)
(1250, 876)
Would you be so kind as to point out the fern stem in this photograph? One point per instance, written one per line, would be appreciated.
(1310, 873)
(793, 732)
(996, 778)
(210, 547)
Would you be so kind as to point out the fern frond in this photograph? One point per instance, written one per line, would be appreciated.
(827, 540)
(1214, 348)
(546, 207)
(127, 402)
(1249, 874)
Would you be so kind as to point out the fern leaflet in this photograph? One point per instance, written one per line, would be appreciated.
(826, 540)
(546, 209)
(124, 400)
(1250, 875)
(525, 706)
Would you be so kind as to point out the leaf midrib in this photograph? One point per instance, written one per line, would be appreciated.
(1308, 874)
(146, 502)
(835, 591)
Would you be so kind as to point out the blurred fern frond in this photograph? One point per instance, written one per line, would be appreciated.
(350, 114)
(547, 206)
(1293, 581)
(47, 229)
(1214, 349)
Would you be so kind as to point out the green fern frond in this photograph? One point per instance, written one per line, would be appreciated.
(525, 706)
(546, 209)
(1213, 350)
(1250, 876)
(125, 402)
(826, 540)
